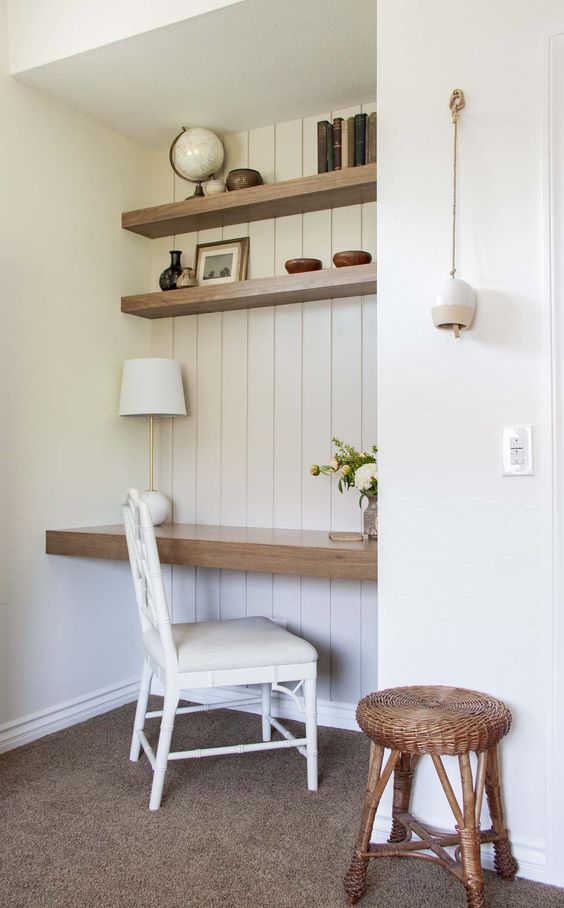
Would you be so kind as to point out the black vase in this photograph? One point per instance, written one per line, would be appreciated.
(168, 278)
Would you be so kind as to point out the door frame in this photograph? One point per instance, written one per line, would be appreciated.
(554, 282)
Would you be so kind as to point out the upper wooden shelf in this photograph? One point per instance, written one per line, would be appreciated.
(302, 552)
(331, 283)
(351, 186)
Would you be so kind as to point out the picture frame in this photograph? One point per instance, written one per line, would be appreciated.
(222, 262)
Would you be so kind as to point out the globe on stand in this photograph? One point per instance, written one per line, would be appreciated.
(196, 154)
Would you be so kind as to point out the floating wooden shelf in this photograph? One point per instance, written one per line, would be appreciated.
(332, 283)
(302, 552)
(273, 200)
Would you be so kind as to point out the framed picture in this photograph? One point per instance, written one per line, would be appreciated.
(222, 262)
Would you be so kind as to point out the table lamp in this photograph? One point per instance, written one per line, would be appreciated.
(152, 387)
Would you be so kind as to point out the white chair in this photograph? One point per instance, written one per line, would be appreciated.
(243, 651)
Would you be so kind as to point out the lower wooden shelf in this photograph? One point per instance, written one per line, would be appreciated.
(330, 283)
(302, 552)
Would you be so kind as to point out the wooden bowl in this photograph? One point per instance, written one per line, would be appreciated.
(296, 266)
(351, 257)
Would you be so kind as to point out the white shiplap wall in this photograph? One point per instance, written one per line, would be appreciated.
(266, 390)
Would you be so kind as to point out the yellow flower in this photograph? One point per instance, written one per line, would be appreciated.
(314, 470)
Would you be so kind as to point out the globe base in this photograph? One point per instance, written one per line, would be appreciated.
(198, 192)
(159, 506)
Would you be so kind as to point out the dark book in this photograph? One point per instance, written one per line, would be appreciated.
(337, 142)
(344, 144)
(330, 164)
(350, 141)
(371, 146)
(322, 146)
(360, 139)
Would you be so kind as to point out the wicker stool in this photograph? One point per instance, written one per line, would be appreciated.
(439, 721)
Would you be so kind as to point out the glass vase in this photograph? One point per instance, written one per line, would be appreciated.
(370, 517)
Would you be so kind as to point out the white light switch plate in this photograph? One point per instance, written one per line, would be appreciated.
(517, 450)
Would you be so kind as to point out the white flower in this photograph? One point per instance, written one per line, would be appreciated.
(365, 476)
(334, 465)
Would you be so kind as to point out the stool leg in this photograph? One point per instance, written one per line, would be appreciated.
(470, 839)
(355, 879)
(504, 862)
(403, 782)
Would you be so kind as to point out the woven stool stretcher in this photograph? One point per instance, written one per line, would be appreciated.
(440, 721)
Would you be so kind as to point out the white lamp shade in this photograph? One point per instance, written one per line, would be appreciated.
(151, 387)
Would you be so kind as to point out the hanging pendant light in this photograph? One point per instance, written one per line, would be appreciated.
(455, 302)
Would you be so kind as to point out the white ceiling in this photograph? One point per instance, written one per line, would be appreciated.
(243, 66)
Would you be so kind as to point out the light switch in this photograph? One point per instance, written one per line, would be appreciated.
(517, 450)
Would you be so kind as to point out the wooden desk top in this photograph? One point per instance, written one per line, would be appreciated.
(302, 552)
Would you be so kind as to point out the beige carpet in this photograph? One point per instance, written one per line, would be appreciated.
(233, 832)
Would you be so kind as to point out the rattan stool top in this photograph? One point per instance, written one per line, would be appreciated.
(433, 720)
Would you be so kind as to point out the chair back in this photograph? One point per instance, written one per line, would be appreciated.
(147, 575)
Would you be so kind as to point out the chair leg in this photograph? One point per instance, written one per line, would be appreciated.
(140, 712)
(167, 724)
(473, 878)
(310, 702)
(355, 879)
(403, 783)
(505, 864)
(266, 708)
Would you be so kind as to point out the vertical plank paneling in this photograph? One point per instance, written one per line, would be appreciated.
(260, 421)
(261, 233)
(316, 415)
(260, 445)
(184, 462)
(287, 377)
(288, 474)
(236, 147)
(233, 584)
(208, 444)
(346, 615)
(265, 391)
(369, 636)
(316, 358)
(261, 152)
(316, 627)
(346, 367)
(161, 346)
(345, 641)
(288, 165)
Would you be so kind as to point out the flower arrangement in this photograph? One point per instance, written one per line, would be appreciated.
(356, 469)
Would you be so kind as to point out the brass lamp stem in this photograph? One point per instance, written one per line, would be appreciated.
(151, 457)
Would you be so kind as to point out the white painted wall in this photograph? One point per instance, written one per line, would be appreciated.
(67, 627)
(266, 391)
(45, 30)
(464, 593)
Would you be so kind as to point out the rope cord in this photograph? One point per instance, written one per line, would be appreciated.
(456, 104)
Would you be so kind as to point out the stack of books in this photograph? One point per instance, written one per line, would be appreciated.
(346, 142)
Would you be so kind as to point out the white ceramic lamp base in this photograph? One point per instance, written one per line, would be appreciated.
(159, 506)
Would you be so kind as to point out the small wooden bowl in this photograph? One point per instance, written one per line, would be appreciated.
(296, 266)
(351, 257)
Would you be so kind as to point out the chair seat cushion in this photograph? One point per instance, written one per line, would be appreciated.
(236, 643)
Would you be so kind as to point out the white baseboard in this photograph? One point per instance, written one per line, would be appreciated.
(530, 856)
(45, 722)
(329, 713)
